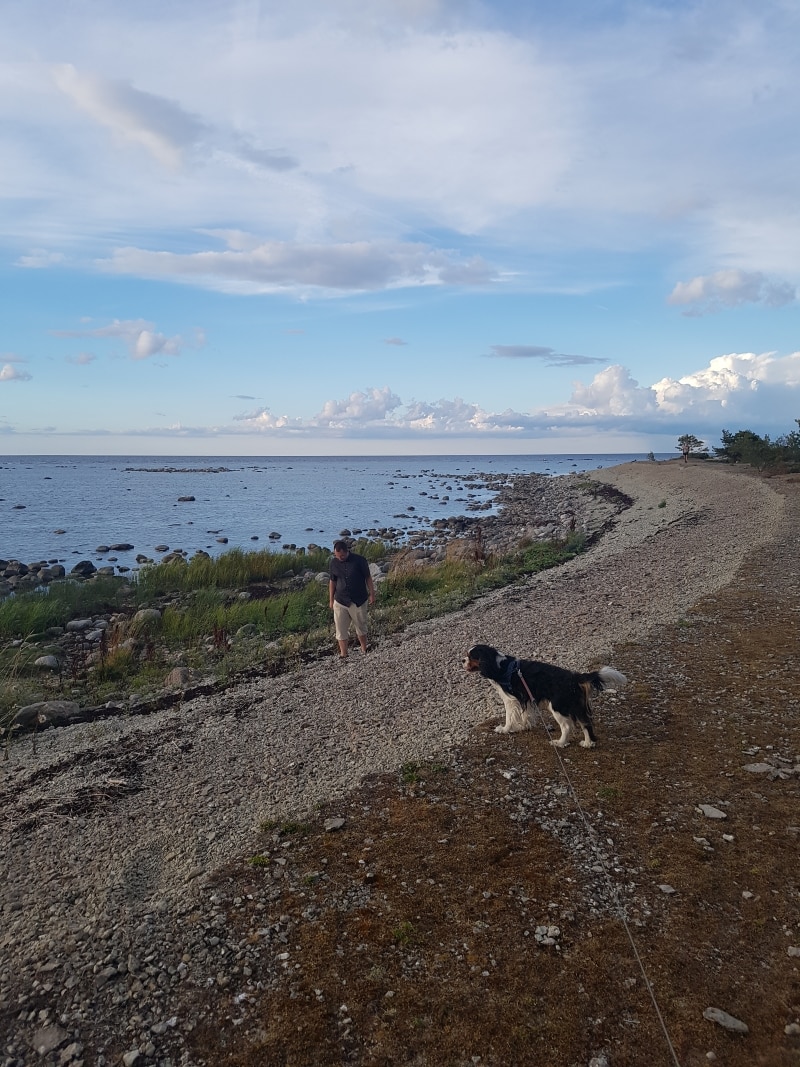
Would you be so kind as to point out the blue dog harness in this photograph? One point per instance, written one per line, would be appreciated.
(512, 667)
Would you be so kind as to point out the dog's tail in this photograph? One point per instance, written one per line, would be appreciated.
(609, 678)
(604, 678)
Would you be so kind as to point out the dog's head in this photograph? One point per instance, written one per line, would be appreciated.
(483, 659)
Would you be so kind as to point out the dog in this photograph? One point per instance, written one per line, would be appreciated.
(521, 682)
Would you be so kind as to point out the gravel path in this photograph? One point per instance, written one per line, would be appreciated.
(110, 829)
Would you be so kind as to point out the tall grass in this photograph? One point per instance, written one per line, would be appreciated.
(54, 605)
(236, 569)
(204, 619)
(208, 612)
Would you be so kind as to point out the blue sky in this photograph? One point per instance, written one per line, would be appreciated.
(397, 226)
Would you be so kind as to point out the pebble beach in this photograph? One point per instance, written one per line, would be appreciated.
(111, 831)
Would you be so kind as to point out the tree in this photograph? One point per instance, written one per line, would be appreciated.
(747, 447)
(688, 443)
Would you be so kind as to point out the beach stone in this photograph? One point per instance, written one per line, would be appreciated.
(185, 499)
(101, 550)
(728, 1022)
(711, 812)
(77, 625)
(84, 569)
(46, 713)
(161, 548)
(177, 678)
(176, 556)
(49, 663)
(123, 546)
(48, 1038)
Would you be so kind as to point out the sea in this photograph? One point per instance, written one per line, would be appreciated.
(67, 508)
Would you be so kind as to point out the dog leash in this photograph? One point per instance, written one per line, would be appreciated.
(591, 835)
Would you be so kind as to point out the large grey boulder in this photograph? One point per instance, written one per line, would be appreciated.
(46, 713)
(84, 569)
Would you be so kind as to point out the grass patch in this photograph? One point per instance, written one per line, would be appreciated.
(208, 625)
(35, 612)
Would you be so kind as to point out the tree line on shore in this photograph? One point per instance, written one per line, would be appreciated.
(745, 446)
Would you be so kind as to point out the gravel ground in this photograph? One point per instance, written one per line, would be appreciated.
(111, 830)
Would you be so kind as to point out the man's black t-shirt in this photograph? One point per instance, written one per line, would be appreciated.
(350, 576)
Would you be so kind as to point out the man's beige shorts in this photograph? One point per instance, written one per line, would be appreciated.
(343, 616)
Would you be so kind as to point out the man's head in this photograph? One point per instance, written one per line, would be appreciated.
(340, 549)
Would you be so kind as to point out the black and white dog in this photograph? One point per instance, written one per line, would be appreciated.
(521, 682)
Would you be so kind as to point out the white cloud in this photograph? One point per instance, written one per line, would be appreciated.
(340, 122)
(140, 337)
(760, 391)
(613, 392)
(273, 266)
(11, 373)
(731, 288)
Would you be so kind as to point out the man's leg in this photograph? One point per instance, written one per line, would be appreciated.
(341, 619)
(359, 615)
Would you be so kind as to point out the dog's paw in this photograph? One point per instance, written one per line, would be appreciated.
(559, 743)
(501, 729)
(587, 744)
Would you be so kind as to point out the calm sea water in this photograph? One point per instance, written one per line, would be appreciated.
(105, 500)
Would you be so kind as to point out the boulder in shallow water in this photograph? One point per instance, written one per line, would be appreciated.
(84, 569)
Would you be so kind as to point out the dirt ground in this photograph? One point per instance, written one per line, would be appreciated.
(499, 905)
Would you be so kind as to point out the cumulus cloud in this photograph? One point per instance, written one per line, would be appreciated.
(274, 266)
(548, 355)
(394, 341)
(83, 359)
(140, 337)
(9, 372)
(728, 289)
(758, 390)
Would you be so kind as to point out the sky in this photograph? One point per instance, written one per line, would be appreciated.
(351, 227)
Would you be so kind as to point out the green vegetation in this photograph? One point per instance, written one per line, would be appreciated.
(744, 446)
(35, 612)
(220, 617)
(403, 933)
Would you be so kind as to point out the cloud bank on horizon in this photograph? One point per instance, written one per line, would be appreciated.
(573, 225)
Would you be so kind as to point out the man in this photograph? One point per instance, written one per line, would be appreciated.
(351, 588)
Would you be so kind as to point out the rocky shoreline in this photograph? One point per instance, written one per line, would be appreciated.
(114, 925)
(536, 506)
(531, 508)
